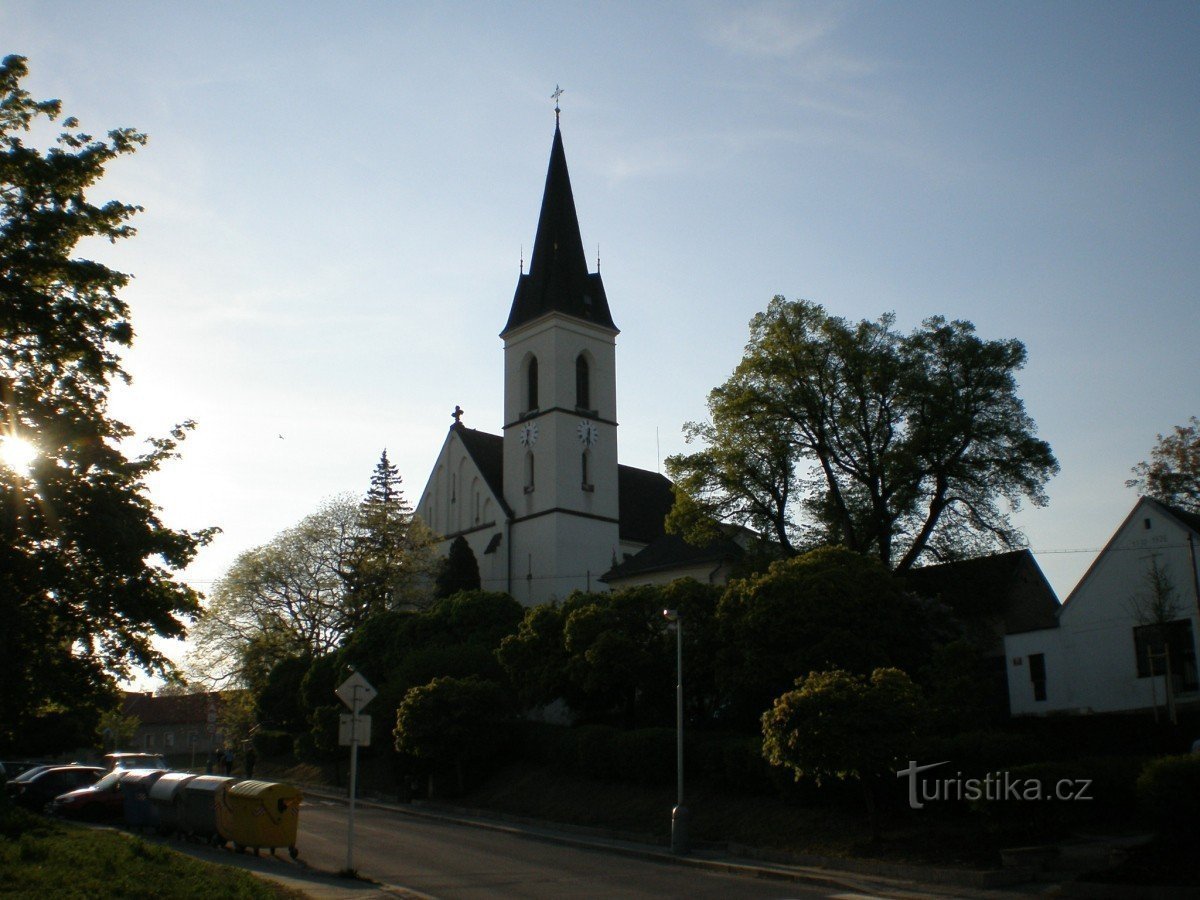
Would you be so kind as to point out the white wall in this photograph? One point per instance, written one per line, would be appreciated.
(1091, 662)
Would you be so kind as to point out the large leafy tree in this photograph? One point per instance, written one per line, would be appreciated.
(901, 446)
(1173, 473)
(827, 609)
(281, 600)
(86, 565)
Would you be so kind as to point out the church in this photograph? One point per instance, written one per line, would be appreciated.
(546, 507)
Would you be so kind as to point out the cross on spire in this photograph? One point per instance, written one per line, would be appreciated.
(457, 414)
(558, 92)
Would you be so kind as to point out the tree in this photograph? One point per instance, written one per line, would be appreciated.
(838, 725)
(115, 730)
(283, 599)
(87, 568)
(391, 561)
(898, 446)
(1163, 639)
(459, 571)
(454, 721)
(1173, 473)
(827, 609)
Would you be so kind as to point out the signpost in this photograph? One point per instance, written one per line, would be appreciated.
(354, 730)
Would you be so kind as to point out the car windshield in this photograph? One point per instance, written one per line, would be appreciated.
(106, 783)
(30, 773)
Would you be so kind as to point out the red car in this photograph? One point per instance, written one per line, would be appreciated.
(100, 802)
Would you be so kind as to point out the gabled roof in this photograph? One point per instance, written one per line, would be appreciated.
(1008, 586)
(644, 497)
(558, 278)
(1188, 520)
(671, 551)
(487, 452)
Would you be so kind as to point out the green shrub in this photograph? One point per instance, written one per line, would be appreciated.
(646, 755)
(1100, 788)
(595, 756)
(1168, 792)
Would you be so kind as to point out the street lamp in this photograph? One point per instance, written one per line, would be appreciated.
(679, 815)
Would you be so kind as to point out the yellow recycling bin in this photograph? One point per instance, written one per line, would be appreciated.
(257, 814)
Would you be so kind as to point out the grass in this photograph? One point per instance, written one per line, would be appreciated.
(43, 858)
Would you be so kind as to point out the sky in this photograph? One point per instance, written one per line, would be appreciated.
(337, 198)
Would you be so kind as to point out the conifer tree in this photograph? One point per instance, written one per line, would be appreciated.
(459, 571)
(392, 556)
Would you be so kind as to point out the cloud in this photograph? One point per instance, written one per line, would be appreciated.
(778, 30)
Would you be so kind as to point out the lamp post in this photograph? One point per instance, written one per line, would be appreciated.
(679, 815)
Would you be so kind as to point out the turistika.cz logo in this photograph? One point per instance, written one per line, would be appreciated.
(993, 786)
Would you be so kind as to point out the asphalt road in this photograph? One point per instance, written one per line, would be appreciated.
(448, 860)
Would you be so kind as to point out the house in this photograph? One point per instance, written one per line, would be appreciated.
(993, 597)
(670, 557)
(545, 506)
(175, 724)
(1125, 639)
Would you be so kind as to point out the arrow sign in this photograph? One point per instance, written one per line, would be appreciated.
(356, 692)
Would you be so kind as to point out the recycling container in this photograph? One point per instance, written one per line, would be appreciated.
(198, 816)
(167, 796)
(258, 814)
(140, 811)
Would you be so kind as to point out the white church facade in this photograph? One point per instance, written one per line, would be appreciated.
(546, 507)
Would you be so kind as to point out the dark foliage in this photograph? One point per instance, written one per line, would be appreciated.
(86, 564)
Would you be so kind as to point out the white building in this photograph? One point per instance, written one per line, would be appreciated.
(1117, 630)
(545, 507)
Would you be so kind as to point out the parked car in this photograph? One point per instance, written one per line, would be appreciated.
(15, 767)
(11, 785)
(97, 802)
(123, 760)
(37, 791)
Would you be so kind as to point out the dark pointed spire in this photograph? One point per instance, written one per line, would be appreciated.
(558, 279)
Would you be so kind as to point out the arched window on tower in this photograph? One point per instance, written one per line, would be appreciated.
(531, 384)
(583, 393)
(585, 460)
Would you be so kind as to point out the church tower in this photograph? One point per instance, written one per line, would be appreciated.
(560, 409)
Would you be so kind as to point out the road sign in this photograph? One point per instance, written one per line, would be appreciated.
(356, 692)
(356, 727)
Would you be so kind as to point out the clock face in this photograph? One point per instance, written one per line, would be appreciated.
(588, 433)
(529, 433)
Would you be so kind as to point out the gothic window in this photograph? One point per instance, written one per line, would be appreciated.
(529, 473)
(584, 461)
(531, 384)
(583, 394)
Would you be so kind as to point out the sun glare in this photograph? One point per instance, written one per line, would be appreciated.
(17, 453)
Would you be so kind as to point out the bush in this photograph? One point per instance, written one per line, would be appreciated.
(548, 744)
(1108, 790)
(273, 744)
(1168, 792)
(595, 756)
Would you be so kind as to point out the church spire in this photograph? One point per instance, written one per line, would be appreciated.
(558, 279)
